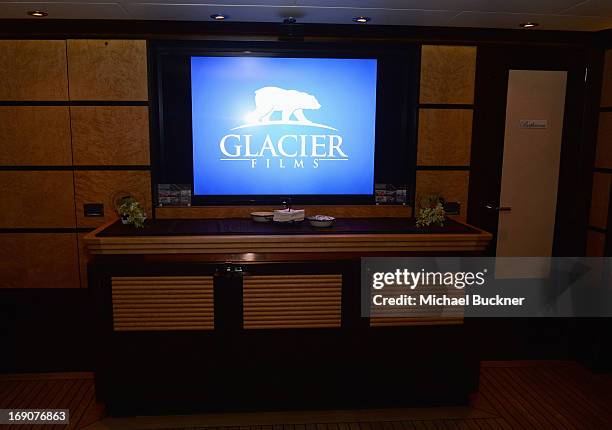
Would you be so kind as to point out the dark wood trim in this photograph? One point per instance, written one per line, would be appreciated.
(605, 109)
(589, 133)
(603, 169)
(597, 229)
(350, 33)
(73, 168)
(443, 167)
(445, 106)
(72, 103)
(46, 230)
(415, 124)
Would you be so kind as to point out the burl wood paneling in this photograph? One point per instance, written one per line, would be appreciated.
(39, 260)
(107, 69)
(598, 216)
(340, 211)
(450, 184)
(33, 70)
(292, 301)
(606, 89)
(36, 199)
(162, 303)
(35, 136)
(596, 242)
(604, 141)
(110, 135)
(106, 186)
(448, 74)
(445, 137)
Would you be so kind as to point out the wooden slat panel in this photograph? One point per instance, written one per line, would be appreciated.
(110, 135)
(140, 305)
(596, 242)
(452, 185)
(347, 211)
(39, 260)
(448, 74)
(606, 88)
(33, 70)
(445, 137)
(35, 135)
(417, 314)
(108, 69)
(600, 196)
(36, 199)
(292, 301)
(604, 141)
(104, 186)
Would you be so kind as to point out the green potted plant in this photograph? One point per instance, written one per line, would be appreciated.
(130, 212)
(431, 211)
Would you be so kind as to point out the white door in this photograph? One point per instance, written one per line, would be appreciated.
(532, 152)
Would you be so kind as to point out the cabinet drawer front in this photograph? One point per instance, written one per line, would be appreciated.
(292, 301)
(163, 303)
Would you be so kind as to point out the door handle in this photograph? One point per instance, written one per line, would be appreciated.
(498, 208)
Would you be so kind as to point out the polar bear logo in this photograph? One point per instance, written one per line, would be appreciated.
(290, 102)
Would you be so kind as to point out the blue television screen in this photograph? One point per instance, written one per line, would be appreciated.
(283, 126)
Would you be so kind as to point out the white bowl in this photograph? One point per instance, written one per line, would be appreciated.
(321, 220)
(262, 216)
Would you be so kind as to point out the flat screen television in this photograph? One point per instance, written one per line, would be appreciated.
(271, 122)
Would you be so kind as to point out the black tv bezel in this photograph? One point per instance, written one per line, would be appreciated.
(157, 49)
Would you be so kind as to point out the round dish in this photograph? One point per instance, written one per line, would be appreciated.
(262, 216)
(321, 221)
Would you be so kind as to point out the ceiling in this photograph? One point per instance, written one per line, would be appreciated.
(584, 15)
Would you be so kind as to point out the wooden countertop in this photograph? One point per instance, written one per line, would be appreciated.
(383, 238)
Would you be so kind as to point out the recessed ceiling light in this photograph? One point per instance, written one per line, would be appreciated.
(362, 19)
(528, 24)
(218, 16)
(37, 13)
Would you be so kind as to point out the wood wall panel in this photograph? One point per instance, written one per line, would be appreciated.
(35, 136)
(600, 196)
(161, 303)
(339, 211)
(33, 70)
(108, 70)
(448, 74)
(105, 186)
(36, 199)
(450, 184)
(445, 137)
(604, 141)
(110, 135)
(606, 89)
(292, 301)
(596, 242)
(39, 260)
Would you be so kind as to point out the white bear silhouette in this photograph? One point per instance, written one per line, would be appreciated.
(290, 102)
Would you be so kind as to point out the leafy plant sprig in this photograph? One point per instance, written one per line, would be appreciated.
(431, 211)
(129, 209)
